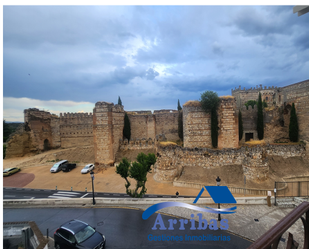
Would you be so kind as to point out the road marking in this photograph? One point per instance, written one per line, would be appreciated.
(58, 197)
(74, 193)
(84, 195)
(65, 195)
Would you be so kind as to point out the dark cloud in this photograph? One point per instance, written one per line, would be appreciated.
(149, 53)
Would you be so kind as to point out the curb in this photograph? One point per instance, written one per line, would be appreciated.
(87, 202)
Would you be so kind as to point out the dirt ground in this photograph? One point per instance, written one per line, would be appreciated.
(35, 174)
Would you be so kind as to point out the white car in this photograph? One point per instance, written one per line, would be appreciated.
(58, 166)
(87, 168)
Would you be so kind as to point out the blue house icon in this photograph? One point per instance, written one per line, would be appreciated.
(219, 194)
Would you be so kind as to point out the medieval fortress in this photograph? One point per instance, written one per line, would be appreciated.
(103, 129)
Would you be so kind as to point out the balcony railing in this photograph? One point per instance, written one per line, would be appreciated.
(271, 239)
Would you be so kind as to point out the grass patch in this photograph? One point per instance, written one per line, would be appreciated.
(256, 142)
(167, 143)
(192, 103)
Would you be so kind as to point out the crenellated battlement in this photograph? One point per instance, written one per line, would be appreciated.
(258, 88)
(164, 111)
(76, 115)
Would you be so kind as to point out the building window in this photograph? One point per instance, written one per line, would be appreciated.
(266, 98)
(279, 98)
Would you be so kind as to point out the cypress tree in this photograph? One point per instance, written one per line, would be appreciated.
(260, 121)
(214, 127)
(127, 127)
(210, 101)
(179, 106)
(240, 125)
(293, 127)
(180, 124)
(119, 101)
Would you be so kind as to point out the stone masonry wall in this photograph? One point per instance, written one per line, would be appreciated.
(144, 124)
(299, 94)
(107, 126)
(131, 149)
(196, 126)
(43, 125)
(228, 123)
(172, 159)
(76, 129)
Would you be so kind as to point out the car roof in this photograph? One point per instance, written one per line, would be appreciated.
(89, 164)
(8, 169)
(74, 225)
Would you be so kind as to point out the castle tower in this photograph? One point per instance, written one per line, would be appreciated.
(108, 122)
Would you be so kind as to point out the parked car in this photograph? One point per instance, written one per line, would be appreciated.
(87, 168)
(68, 167)
(10, 171)
(78, 234)
(58, 166)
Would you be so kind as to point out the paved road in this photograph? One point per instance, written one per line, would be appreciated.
(123, 228)
(26, 193)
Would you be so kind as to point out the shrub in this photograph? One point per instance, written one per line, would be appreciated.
(293, 127)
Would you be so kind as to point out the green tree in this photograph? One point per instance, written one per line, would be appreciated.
(119, 101)
(137, 170)
(293, 127)
(4, 150)
(240, 125)
(127, 127)
(179, 106)
(260, 121)
(250, 102)
(6, 131)
(210, 101)
(180, 124)
(264, 104)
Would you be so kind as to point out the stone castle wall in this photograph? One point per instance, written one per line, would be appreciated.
(76, 129)
(107, 124)
(144, 124)
(197, 125)
(43, 126)
(228, 123)
(171, 159)
(281, 97)
(131, 149)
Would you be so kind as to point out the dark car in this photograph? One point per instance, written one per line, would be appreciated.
(78, 234)
(68, 167)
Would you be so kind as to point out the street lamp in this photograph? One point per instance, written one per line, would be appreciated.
(92, 178)
(218, 180)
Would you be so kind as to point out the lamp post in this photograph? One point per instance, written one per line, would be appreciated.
(92, 178)
(218, 180)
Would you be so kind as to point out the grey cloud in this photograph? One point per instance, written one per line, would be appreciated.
(151, 74)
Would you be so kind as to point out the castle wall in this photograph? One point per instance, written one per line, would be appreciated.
(131, 149)
(108, 122)
(268, 94)
(43, 125)
(171, 159)
(76, 129)
(144, 124)
(167, 124)
(299, 94)
(228, 123)
(197, 124)
(19, 143)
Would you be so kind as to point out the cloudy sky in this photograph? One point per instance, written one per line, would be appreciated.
(66, 58)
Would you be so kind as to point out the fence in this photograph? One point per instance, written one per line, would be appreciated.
(291, 189)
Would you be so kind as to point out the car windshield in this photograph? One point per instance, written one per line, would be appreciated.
(84, 234)
(56, 165)
(86, 167)
(6, 170)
